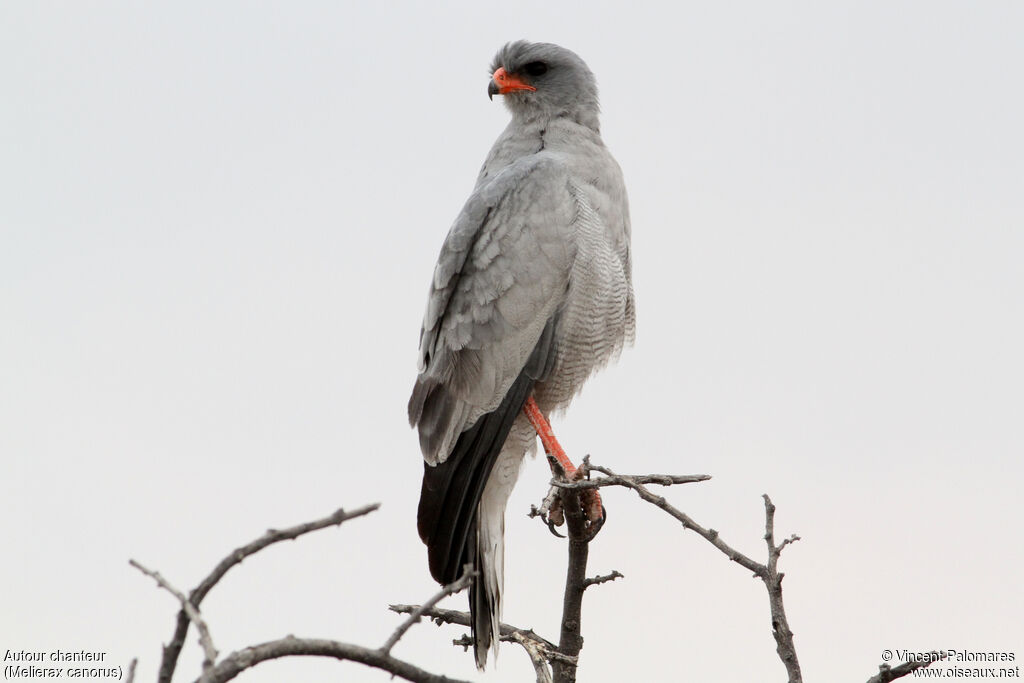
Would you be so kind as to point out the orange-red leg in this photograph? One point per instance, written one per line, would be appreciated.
(590, 498)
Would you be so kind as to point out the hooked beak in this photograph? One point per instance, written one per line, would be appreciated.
(503, 83)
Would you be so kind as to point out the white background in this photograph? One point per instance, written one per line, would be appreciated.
(217, 226)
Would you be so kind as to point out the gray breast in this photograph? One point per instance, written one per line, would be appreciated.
(598, 318)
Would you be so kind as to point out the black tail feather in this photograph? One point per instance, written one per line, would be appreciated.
(452, 489)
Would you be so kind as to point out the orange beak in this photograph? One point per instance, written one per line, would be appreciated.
(503, 83)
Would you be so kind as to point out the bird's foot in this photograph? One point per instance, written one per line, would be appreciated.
(591, 505)
(551, 509)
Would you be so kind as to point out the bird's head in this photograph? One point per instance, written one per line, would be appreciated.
(544, 80)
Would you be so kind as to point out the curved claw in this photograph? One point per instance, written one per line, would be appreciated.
(551, 528)
(595, 527)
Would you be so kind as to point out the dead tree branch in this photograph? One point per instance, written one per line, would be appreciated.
(768, 573)
(552, 663)
(562, 504)
(570, 640)
(710, 535)
(172, 650)
(209, 651)
(416, 613)
(621, 479)
(237, 662)
(772, 578)
(507, 632)
(541, 651)
(290, 646)
(538, 657)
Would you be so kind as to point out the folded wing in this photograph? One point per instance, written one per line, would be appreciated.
(490, 332)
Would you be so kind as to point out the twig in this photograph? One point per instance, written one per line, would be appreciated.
(616, 574)
(209, 651)
(290, 646)
(620, 480)
(130, 676)
(172, 650)
(506, 631)
(888, 673)
(416, 613)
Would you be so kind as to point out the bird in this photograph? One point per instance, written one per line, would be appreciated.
(532, 293)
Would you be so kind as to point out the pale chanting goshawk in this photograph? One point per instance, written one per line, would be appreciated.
(531, 294)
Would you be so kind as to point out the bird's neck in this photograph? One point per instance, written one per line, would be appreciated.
(559, 135)
(583, 113)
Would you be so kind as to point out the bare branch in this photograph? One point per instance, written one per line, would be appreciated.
(466, 642)
(538, 657)
(173, 648)
(570, 640)
(290, 646)
(450, 616)
(550, 653)
(888, 673)
(616, 574)
(414, 616)
(130, 676)
(773, 581)
(768, 573)
(710, 535)
(620, 480)
(209, 651)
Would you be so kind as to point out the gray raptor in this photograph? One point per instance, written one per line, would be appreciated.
(531, 294)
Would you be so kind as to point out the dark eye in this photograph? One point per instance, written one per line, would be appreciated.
(536, 68)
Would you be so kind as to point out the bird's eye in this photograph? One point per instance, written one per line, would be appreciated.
(536, 68)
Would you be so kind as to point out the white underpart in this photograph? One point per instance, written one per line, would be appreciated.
(491, 518)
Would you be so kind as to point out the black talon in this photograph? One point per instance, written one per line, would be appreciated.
(594, 527)
(551, 528)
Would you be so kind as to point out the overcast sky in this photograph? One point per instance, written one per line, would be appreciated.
(217, 226)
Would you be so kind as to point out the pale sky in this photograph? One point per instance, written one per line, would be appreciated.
(217, 226)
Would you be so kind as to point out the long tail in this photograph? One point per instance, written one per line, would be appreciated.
(462, 517)
(485, 593)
